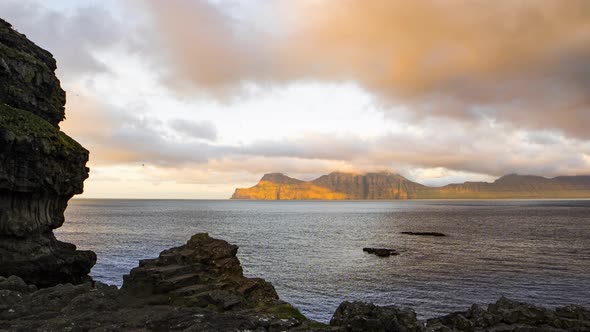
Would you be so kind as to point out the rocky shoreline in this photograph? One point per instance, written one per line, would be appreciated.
(45, 283)
(200, 287)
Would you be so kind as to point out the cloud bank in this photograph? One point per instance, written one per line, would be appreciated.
(525, 62)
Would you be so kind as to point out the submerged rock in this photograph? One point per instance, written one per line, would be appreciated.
(424, 233)
(41, 168)
(381, 252)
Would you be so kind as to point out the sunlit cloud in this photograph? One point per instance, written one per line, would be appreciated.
(194, 98)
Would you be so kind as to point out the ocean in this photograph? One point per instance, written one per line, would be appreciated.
(536, 251)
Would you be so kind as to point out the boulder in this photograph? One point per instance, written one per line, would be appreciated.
(508, 315)
(360, 316)
(424, 233)
(381, 252)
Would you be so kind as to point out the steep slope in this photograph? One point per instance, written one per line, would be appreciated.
(41, 168)
(515, 186)
(276, 186)
(384, 185)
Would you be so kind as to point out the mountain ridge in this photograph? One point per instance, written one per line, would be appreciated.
(392, 186)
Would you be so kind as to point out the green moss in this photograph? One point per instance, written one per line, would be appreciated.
(26, 125)
(20, 55)
(69, 142)
(285, 311)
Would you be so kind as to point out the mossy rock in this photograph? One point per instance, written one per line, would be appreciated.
(24, 125)
(285, 311)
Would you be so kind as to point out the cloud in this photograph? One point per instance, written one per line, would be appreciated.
(74, 37)
(489, 148)
(192, 129)
(524, 62)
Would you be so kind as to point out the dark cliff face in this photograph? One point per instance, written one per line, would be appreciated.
(41, 168)
(369, 186)
(28, 79)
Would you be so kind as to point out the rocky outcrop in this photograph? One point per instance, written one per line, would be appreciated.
(435, 234)
(381, 252)
(507, 315)
(389, 186)
(360, 316)
(41, 168)
(504, 315)
(195, 287)
(204, 273)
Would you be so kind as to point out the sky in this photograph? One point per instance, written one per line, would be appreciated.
(191, 99)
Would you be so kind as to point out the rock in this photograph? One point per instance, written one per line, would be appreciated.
(15, 283)
(507, 315)
(205, 273)
(41, 168)
(195, 287)
(424, 233)
(504, 315)
(360, 316)
(381, 252)
(27, 76)
(200, 287)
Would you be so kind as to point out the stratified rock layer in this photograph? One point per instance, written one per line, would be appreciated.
(27, 76)
(204, 273)
(195, 287)
(41, 168)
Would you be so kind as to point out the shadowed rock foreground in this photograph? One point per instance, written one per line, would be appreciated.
(200, 287)
(195, 287)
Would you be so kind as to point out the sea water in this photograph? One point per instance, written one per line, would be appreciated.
(536, 251)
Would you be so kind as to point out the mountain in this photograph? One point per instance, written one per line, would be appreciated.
(385, 185)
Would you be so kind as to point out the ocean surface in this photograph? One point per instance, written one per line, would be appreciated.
(531, 250)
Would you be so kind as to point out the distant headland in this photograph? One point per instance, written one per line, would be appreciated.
(391, 186)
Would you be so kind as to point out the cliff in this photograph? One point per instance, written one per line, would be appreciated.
(41, 167)
(387, 186)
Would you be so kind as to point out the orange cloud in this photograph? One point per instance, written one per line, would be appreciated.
(525, 62)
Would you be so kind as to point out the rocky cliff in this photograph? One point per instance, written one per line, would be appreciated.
(41, 168)
(384, 185)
